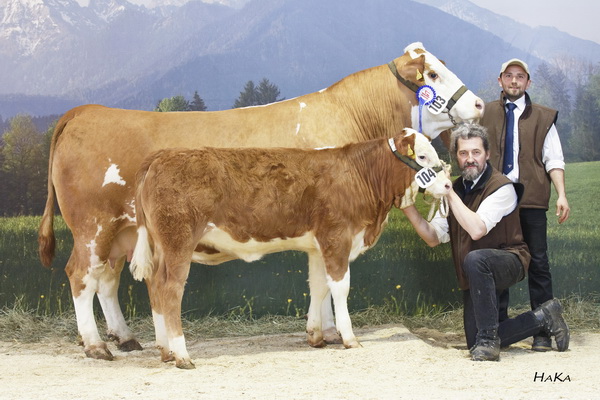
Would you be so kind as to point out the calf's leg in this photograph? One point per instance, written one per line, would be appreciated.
(318, 291)
(330, 333)
(339, 293)
(172, 275)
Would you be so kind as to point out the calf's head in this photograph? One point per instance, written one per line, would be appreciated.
(432, 174)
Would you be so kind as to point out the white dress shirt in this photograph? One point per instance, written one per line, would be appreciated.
(491, 210)
(552, 154)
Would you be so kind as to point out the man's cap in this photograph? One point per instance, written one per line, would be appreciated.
(514, 61)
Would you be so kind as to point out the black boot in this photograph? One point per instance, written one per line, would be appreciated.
(487, 346)
(549, 315)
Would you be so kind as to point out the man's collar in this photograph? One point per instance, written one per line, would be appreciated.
(520, 102)
(479, 181)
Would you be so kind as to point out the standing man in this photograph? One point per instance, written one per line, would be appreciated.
(525, 146)
(487, 248)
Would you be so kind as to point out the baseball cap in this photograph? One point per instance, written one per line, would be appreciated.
(514, 61)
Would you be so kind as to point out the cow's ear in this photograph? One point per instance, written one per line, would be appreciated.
(408, 144)
(415, 68)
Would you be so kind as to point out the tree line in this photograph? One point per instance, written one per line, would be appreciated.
(25, 147)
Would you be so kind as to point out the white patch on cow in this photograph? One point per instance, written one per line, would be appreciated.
(160, 330)
(95, 261)
(302, 105)
(339, 293)
(425, 153)
(141, 261)
(298, 128)
(325, 148)
(249, 251)
(124, 216)
(112, 176)
(358, 245)
(86, 324)
(322, 90)
(412, 47)
(177, 347)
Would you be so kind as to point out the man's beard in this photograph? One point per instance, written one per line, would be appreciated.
(508, 93)
(470, 174)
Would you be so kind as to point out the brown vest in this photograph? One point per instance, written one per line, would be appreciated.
(505, 235)
(534, 124)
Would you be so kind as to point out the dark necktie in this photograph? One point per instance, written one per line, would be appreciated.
(508, 144)
(468, 186)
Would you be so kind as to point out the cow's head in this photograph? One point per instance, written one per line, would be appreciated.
(432, 174)
(445, 99)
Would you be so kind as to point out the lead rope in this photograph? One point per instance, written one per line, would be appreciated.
(442, 204)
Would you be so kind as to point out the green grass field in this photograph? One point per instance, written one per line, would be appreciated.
(401, 273)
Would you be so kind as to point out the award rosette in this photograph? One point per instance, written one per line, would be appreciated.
(426, 95)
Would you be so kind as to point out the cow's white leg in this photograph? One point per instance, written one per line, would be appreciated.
(93, 346)
(83, 288)
(339, 292)
(117, 329)
(330, 333)
(317, 284)
(162, 340)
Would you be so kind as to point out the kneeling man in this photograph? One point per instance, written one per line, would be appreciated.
(488, 249)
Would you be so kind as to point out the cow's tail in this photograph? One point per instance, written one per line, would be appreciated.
(142, 264)
(46, 239)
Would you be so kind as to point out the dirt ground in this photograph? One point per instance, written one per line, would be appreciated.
(393, 363)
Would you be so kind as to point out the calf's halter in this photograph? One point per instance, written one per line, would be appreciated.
(409, 161)
(443, 202)
(414, 87)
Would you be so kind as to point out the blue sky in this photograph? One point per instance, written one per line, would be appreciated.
(576, 17)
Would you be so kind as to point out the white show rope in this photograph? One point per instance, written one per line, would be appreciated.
(442, 203)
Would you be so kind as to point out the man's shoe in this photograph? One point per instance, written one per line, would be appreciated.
(486, 350)
(549, 315)
(541, 343)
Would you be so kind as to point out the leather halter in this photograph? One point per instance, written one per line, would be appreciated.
(414, 87)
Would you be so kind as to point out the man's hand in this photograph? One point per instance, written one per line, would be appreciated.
(562, 209)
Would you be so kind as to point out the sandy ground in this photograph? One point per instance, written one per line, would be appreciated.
(392, 364)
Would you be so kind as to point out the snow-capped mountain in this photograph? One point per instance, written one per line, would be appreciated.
(118, 53)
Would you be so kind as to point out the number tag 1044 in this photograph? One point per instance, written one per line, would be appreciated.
(425, 177)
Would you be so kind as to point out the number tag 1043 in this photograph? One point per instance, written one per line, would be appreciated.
(425, 177)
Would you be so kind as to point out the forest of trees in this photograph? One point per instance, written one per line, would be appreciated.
(25, 140)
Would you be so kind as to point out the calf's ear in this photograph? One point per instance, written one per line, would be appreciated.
(407, 145)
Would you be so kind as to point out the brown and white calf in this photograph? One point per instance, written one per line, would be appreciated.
(214, 205)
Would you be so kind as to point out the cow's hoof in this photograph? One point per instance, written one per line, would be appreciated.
(331, 336)
(315, 339)
(185, 364)
(352, 344)
(130, 345)
(165, 355)
(99, 352)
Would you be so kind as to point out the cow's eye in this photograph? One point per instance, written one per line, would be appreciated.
(422, 158)
(433, 75)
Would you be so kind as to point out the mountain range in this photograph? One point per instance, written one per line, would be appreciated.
(55, 54)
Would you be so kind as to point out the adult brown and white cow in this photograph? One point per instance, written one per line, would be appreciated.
(213, 205)
(96, 151)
